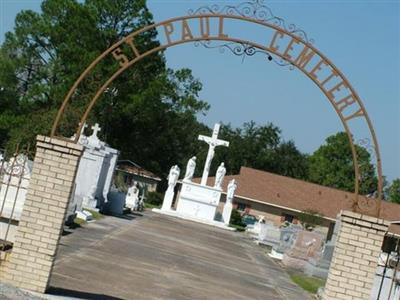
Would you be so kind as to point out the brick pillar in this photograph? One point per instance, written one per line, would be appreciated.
(355, 257)
(31, 260)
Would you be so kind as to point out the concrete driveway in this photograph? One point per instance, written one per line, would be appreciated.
(159, 257)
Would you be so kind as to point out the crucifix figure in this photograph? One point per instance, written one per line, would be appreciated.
(96, 128)
(212, 142)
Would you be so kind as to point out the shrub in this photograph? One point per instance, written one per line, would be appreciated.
(154, 198)
(120, 184)
(310, 219)
(236, 218)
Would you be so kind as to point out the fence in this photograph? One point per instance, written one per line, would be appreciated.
(15, 172)
(387, 277)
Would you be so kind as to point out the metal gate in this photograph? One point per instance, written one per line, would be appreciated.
(387, 277)
(14, 180)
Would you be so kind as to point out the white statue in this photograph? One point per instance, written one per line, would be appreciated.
(191, 166)
(212, 142)
(173, 176)
(231, 190)
(261, 219)
(226, 213)
(132, 197)
(219, 176)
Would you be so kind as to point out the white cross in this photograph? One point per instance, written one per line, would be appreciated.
(212, 142)
(96, 128)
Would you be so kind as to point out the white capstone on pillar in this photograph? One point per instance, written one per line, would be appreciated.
(226, 214)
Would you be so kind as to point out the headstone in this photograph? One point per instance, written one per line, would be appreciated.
(308, 245)
(254, 230)
(319, 267)
(287, 239)
(269, 235)
(84, 215)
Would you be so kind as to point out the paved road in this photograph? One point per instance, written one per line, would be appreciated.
(159, 257)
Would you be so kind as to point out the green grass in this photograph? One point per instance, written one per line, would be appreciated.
(77, 223)
(310, 284)
(150, 206)
(96, 215)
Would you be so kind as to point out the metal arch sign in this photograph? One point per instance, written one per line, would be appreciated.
(291, 45)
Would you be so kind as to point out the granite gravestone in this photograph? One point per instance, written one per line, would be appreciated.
(287, 239)
(320, 267)
(308, 245)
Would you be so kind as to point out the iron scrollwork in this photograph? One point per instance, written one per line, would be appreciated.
(367, 144)
(242, 50)
(254, 9)
(367, 204)
(17, 166)
(257, 10)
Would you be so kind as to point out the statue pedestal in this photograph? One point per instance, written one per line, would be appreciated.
(198, 201)
(226, 215)
(168, 198)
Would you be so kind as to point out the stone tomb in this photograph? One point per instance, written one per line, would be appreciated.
(95, 172)
(198, 201)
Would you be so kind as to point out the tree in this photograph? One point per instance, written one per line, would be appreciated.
(141, 113)
(393, 191)
(309, 219)
(236, 219)
(260, 147)
(332, 165)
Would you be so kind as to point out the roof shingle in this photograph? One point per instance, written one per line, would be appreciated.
(297, 194)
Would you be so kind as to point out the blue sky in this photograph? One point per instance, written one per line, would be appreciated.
(362, 38)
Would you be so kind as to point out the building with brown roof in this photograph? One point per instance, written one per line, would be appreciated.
(280, 198)
(132, 172)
